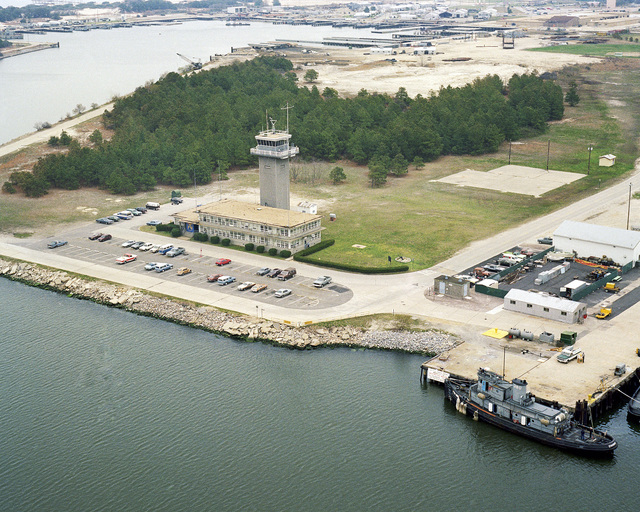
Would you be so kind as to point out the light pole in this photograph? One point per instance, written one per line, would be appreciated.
(509, 151)
(195, 190)
(590, 148)
(629, 207)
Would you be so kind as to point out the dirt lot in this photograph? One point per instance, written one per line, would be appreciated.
(349, 71)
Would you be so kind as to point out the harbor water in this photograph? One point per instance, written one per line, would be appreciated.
(104, 410)
(93, 67)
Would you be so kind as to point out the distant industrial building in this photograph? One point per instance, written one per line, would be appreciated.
(545, 306)
(562, 21)
(586, 240)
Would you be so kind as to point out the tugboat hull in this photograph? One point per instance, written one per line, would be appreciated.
(633, 411)
(577, 439)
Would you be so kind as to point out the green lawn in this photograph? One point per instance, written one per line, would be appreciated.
(429, 222)
(598, 50)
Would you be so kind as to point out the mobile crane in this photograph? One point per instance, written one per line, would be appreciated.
(194, 64)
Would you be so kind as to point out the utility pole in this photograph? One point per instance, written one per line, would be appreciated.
(195, 191)
(629, 207)
(590, 148)
(220, 179)
(548, 150)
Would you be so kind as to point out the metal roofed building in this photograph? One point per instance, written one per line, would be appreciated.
(586, 240)
(244, 223)
(545, 306)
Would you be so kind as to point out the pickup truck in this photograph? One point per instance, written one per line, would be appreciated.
(568, 354)
(322, 281)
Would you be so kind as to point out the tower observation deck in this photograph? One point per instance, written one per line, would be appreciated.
(274, 151)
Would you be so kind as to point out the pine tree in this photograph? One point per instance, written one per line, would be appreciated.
(572, 97)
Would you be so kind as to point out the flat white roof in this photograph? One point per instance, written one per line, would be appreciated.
(546, 301)
(598, 234)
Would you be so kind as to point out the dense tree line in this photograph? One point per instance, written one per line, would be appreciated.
(186, 127)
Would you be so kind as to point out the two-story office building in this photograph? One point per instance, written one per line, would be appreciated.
(244, 223)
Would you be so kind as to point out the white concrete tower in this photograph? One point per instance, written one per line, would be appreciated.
(273, 152)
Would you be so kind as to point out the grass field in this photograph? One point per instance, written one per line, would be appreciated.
(597, 50)
(429, 222)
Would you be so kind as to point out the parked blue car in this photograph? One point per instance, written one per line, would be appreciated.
(56, 243)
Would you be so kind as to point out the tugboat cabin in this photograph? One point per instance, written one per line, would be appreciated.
(511, 401)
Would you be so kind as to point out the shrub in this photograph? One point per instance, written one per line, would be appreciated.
(200, 237)
(215, 239)
(273, 251)
(314, 248)
(165, 227)
(260, 249)
(175, 232)
(285, 253)
(9, 187)
(249, 246)
(225, 241)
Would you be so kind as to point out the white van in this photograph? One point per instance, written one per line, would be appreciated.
(164, 249)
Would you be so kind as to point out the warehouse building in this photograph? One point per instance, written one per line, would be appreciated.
(545, 306)
(586, 240)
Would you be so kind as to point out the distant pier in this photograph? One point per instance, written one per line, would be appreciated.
(12, 52)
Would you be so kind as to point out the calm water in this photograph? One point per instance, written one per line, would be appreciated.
(92, 67)
(104, 410)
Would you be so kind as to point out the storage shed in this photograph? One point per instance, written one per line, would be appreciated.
(451, 286)
(545, 306)
(607, 160)
(586, 240)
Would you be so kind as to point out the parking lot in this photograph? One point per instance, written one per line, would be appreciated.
(525, 280)
(304, 295)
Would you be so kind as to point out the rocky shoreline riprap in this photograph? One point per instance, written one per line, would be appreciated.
(211, 319)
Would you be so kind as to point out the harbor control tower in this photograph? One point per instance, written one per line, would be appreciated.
(273, 151)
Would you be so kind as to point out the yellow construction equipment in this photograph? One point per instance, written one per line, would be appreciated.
(611, 287)
(604, 313)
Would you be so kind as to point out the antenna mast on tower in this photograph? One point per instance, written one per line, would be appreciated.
(287, 108)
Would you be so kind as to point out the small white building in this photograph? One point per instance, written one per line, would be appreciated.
(307, 207)
(545, 306)
(424, 50)
(607, 160)
(384, 50)
(586, 240)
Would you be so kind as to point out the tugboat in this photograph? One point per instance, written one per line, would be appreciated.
(509, 406)
(633, 412)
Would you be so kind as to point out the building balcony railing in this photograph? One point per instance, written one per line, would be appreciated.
(271, 152)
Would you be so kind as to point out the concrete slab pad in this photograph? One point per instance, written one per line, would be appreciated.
(516, 179)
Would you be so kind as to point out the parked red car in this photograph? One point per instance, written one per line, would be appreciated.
(223, 261)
